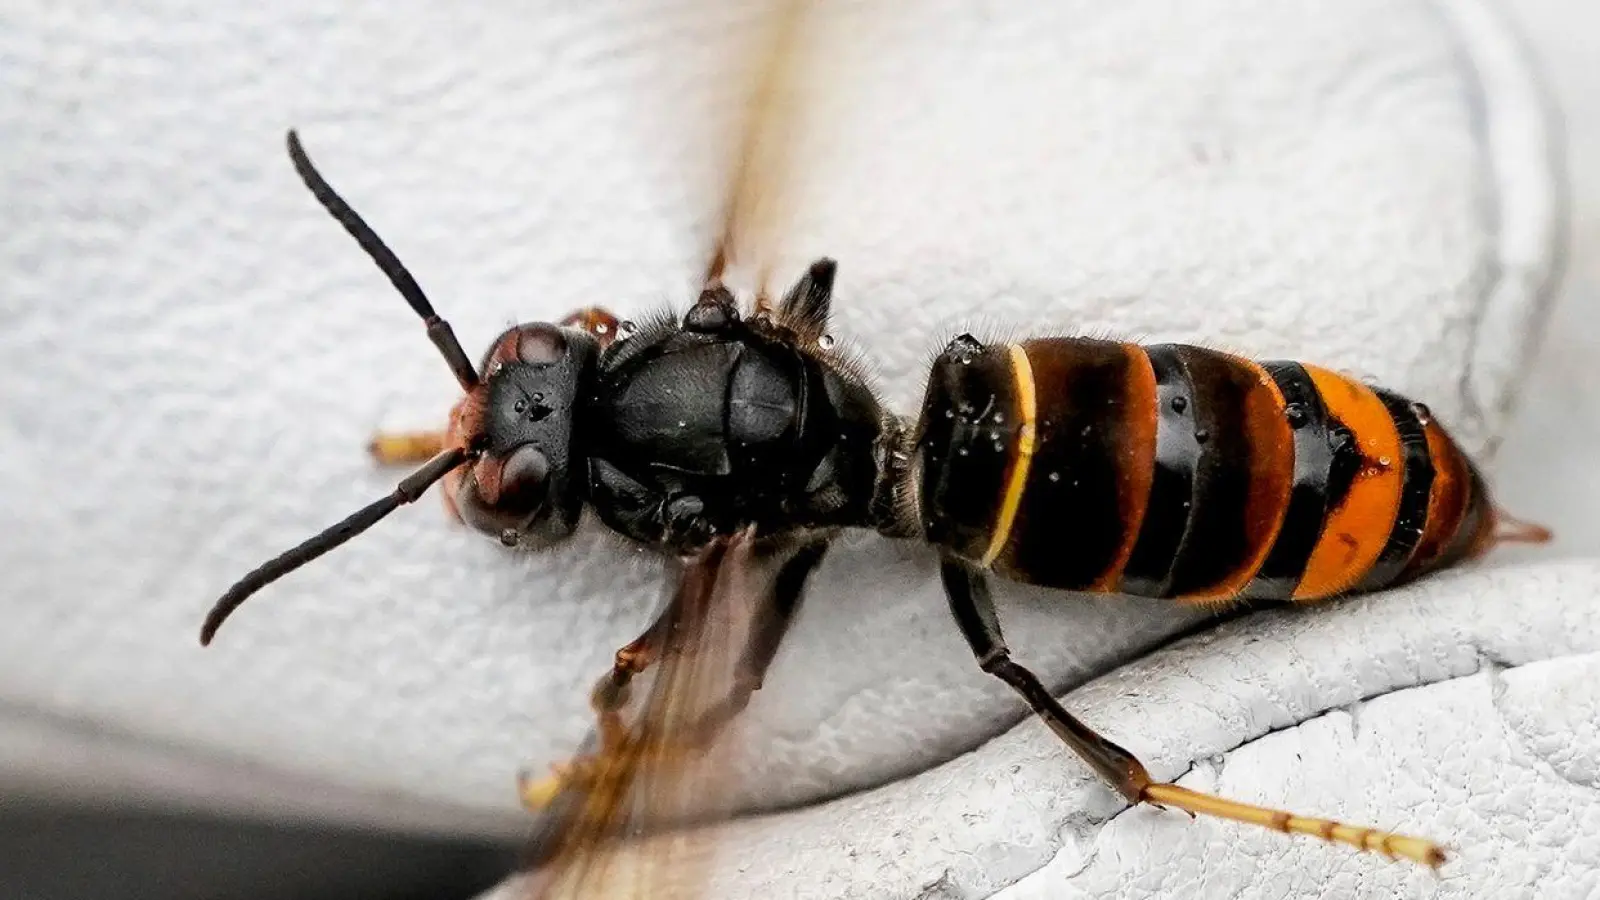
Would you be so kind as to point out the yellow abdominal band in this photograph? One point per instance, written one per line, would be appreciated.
(1017, 477)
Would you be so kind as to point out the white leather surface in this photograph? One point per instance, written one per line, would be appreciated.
(1461, 709)
(195, 355)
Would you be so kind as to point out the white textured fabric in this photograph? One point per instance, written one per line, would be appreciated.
(195, 355)
(1463, 708)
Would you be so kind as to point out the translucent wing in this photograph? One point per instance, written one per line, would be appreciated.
(664, 768)
(757, 198)
(669, 767)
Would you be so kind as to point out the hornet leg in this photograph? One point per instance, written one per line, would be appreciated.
(404, 448)
(681, 611)
(597, 320)
(760, 649)
(968, 592)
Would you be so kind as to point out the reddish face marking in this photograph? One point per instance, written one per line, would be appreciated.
(466, 424)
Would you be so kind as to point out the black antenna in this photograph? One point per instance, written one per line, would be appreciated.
(414, 486)
(438, 329)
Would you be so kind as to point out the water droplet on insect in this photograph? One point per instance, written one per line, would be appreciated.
(682, 424)
(510, 537)
(538, 397)
(901, 456)
(999, 418)
(999, 446)
(625, 329)
(949, 414)
(520, 406)
(1201, 435)
(1055, 476)
(601, 328)
(994, 434)
(1385, 462)
(1295, 414)
(962, 452)
(825, 342)
(1179, 404)
(1087, 430)
(1422, 412)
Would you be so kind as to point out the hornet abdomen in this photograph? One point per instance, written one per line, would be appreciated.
(1176, 471)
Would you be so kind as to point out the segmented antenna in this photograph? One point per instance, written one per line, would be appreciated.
(412, 487)
(438, 329)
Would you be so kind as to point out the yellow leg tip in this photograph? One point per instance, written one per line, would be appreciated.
(399, 448)
(1393, 846)
(537, 794)
(1418, 850)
